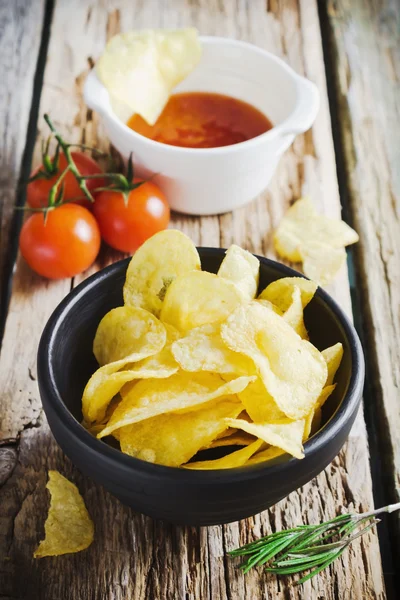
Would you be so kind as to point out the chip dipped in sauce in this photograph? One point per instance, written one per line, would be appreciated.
(203, 120)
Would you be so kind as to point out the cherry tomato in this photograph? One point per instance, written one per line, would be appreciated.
(64, 245)
(38, 190)
(125, 226)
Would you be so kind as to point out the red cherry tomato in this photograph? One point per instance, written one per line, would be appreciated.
(64, 245)
(38, 190)
(126, 225)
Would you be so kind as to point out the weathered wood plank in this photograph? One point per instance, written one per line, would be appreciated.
(134, 557)
(365, 42)
(20, 33)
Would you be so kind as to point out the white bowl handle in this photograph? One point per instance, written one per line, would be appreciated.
(307, 108)
(95, 94)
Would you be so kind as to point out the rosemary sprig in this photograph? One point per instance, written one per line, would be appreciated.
(308, 547)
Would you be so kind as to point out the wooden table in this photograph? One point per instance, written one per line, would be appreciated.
(349, 160)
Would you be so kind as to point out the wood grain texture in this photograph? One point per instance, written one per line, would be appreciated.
(365, 38)
(20, 33)
(132, 556)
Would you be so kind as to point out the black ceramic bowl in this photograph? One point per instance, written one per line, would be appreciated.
(66, 361)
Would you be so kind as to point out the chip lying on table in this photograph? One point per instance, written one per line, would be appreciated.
(194, 361)
(68, 527)
(315, 240)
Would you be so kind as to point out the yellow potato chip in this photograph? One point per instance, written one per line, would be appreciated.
(155, 265)
(183, 392)
(230, 461)
(260, 405)
(202, 349)
(127, 332)
(198, 298)
(280, 292)
(333, 357)
(163, 361)
(226, 433)
(313, 419)
(265, 455)
(321, 262)
(95, 428)
(237, 439)
(140, 68)
(243, 269)
(312, 423)
(293, 371)
(286, 435)
(316, 422)
(302, 225)
(125, 335)
(172, 439)
(326, 392)
(269, 305)
(294, 314)
(68, 526)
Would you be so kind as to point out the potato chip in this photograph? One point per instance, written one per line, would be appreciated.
(127, 332)
(333, 357)
(202, 349)
(312, 423)
(107, 381)
(260, 405)
(240, 438)
(230, 461)
(104, 384)
(68, 526)
(123, 330)
(243, 269)
(269, 305)
(314, 418)
(302, 225)
(323, 397)
(321, 262)
(155, 265)
(294, 314)
(162, 361)
(316, 421)
(292, 370)
(198, 298)
(172, 439)
(280, 292)
(226, 433)
(183, 392)
(286, 434)
(140, 68)
(265, 455)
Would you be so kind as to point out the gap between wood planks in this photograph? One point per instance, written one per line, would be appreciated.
(8, 271)
(380, 476)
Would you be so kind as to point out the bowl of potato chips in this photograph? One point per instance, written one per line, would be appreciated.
(199, 386)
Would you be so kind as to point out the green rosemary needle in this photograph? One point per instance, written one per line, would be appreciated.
(308, 547)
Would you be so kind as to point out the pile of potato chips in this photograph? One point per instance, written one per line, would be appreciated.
(315, 240)
(193, 360)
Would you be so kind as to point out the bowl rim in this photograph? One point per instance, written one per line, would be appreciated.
(48, 387)
(276, 130)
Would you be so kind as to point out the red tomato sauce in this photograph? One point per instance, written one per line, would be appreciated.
(203, 120)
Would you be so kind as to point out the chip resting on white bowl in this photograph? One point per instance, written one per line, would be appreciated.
(140, 68)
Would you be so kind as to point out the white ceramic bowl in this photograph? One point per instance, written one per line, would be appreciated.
(207, 181)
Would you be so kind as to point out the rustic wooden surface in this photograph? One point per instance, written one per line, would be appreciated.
(20, 33)
(133, 556)
(365, 44)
